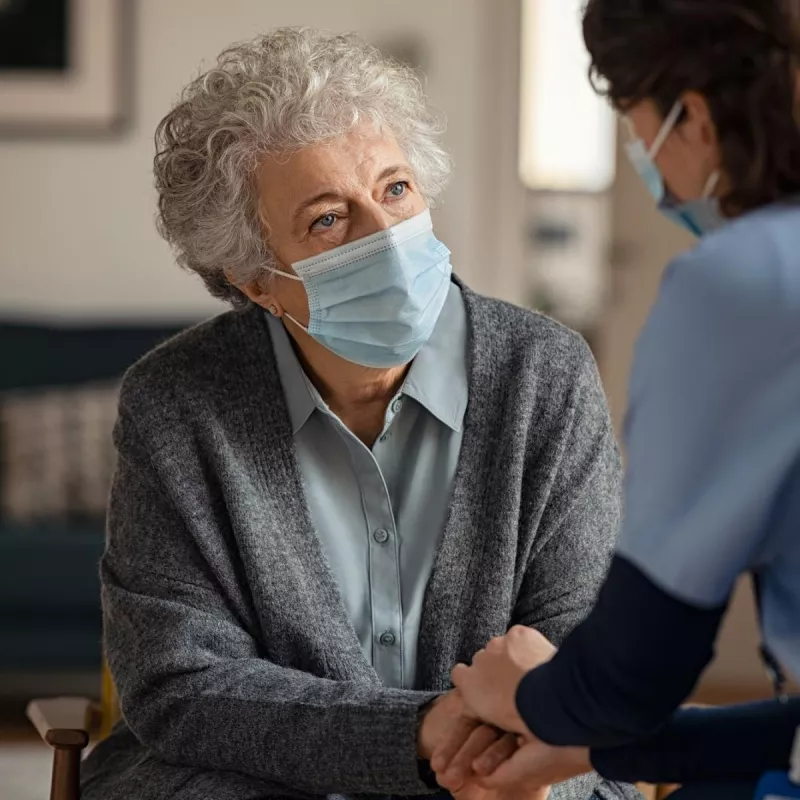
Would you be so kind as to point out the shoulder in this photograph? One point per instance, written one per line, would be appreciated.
(723, 305)
(189, 363)
(528, 345)
(750, 265)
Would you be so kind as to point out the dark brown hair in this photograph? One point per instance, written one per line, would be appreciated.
(743, 56)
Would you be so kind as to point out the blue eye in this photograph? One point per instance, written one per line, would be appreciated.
(328, 221)
(398, 189)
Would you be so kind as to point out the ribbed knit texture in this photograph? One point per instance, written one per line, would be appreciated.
(239, 672)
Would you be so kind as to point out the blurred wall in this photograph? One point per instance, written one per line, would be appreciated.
(76, 234)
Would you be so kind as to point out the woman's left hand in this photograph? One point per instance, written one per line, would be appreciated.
(489, 686)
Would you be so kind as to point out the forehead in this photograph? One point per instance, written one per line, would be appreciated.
(340, 165)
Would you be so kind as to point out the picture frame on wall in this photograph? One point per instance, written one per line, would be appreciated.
(65, 67)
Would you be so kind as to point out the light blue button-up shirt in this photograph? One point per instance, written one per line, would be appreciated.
(380, 512)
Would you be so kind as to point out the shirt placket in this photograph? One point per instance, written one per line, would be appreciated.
(384, 557)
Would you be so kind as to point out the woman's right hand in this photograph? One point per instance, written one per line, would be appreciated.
(534, 763)
(486, 742)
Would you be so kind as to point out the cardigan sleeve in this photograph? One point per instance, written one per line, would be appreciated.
(194, 685)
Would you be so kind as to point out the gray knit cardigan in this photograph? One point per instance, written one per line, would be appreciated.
(239, 672)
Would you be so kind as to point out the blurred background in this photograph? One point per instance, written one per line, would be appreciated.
(541, 211)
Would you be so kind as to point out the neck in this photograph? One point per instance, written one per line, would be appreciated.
(358, 395)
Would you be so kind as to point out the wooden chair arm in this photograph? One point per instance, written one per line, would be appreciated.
(64, 723)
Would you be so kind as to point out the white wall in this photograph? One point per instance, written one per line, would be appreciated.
(76, 230)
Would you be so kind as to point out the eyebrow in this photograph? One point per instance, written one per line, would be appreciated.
(388, 172)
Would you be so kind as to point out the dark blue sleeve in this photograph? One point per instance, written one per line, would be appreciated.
(733, 743)
(620, 674)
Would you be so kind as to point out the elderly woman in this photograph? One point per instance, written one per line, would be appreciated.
(330, 495)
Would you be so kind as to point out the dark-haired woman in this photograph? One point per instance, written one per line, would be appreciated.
(711, 92)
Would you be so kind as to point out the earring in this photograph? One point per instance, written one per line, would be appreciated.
(273, 310)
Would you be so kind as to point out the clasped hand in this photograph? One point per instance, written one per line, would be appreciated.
(478, 744)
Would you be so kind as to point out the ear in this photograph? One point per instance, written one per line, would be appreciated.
(259, 293)
(698, 124)
(262, 297)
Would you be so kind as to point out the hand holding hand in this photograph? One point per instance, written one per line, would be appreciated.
(485, 748)
(445, 717)
(453, 758)
(489, 686)
(535, 765)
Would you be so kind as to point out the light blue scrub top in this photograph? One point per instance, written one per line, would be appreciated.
(380, 512)
(713, 429)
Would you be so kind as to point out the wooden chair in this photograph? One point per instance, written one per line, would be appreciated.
(67, 724)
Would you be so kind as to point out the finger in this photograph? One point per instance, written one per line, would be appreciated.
(478, 655)
(526, 764)
(459, 675)
(449, 745)
(501, 750)
(460, 768)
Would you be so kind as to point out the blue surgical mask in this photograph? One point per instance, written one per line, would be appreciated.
(376, 301)
(699, 216)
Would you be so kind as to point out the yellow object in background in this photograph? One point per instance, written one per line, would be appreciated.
(109, 704)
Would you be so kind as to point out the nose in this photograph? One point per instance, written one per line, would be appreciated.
(370, 217)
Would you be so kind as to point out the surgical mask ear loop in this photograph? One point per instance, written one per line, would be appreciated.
(284, 274)
(286, 313)
(666, 129)
(711, 184)
(299, 324)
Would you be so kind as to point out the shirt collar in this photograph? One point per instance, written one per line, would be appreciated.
(437, 379)
(296, 388)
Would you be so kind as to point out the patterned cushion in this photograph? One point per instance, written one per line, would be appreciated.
(56, 452)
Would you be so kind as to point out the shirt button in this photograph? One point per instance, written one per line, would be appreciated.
(380, 535)
(397, 404)
(387, 639)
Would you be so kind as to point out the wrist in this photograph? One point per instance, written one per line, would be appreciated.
(424, 746)
(518, 725)
(518, 721)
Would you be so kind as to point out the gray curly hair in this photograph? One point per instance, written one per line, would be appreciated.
(289, 89)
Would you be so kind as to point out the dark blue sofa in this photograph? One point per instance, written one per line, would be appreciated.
(49, 594)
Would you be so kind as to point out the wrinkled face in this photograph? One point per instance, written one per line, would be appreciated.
(327, 195)
(690, 154)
